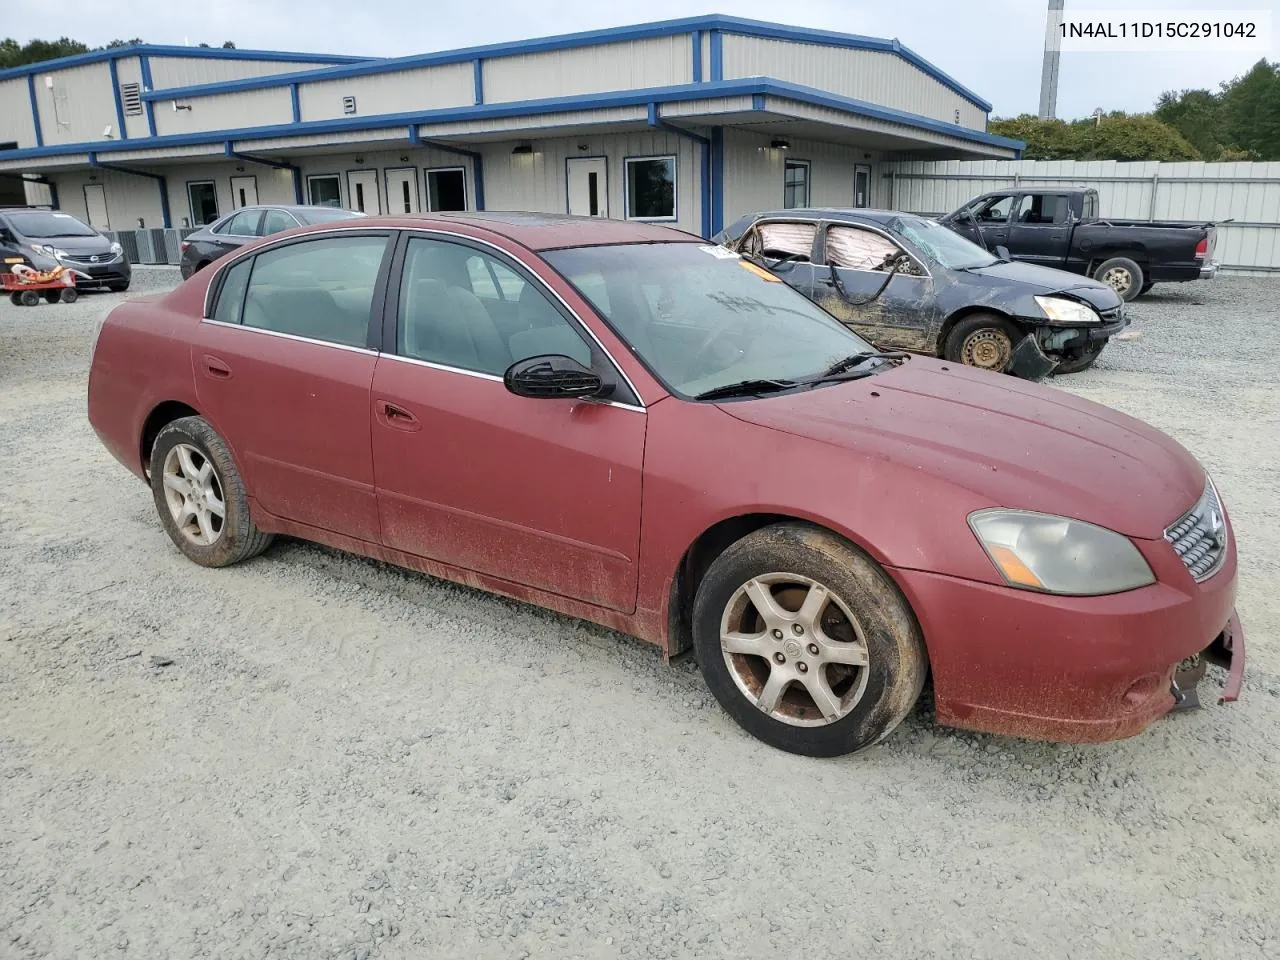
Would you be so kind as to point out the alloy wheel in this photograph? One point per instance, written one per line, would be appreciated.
(193, 493)
(1119, 279)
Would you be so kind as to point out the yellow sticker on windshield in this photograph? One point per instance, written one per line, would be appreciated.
(760, 272)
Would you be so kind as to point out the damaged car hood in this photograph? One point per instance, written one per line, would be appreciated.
(1047, 280)
(1013, 443)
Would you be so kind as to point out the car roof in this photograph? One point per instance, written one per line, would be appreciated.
(291, 207)
(538, 231)
(839, 214)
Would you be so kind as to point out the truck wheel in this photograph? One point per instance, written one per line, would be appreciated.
(983, 340)
(1082, 361)
(1123, 276)
(1146, 288)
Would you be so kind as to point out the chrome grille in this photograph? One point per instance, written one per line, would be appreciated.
(90, 258)
(1200, 536)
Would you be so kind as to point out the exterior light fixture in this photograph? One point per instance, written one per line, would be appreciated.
(781, 144)
(522, 149)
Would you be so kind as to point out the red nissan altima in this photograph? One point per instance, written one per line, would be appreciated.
(627, 424)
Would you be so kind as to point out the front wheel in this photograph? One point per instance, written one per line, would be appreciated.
(1123, 275)
(982, 340)
(1082, 361)
(200, 497)
(118, 287)
(806, 642)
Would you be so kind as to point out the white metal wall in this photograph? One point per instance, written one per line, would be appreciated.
(15, 118)
(880, 78)
(128, 197)
(420, 159)
(424, 88)
(188, 71)
(226, 111)
(274, 185)
(78, 106)
(657, 62)
(1247, 193)
(129, 70)
(537, 181)
(753, 172)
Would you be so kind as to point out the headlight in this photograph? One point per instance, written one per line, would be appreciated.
(49, 250)
(1062, 310)
(116, 248)
(1037, 551)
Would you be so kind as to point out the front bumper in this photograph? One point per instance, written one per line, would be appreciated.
(1075, 669)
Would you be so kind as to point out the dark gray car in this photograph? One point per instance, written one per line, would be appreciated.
(246, 225)
(51, 238)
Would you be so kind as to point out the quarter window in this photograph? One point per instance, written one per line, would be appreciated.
(325, 190)
(320, 289)
(450, 313)
(202, 196)
(795, 189)
(230, 306)
(651, 188)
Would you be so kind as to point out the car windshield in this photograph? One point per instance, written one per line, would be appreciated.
(324, 215)
(940, 244)
(701, 317)
(45, 225)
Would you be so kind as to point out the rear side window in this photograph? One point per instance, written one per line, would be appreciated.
(276, 220)
(230, 306)
(858, 249)
(243, 224)
(778, 240)
(319, 289)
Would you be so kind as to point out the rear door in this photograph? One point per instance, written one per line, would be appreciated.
(1040, 229)
(543, 493)
(283, 368)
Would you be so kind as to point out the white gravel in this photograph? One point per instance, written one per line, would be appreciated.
(346, 760)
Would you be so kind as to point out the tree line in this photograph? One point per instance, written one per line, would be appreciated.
(15, 54)
(1238, 121)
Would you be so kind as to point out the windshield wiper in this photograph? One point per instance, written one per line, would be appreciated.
(853, 360)
(745, 388)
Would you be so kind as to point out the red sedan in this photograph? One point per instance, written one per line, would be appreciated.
(627, 424)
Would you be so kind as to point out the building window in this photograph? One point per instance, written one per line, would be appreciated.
(795, 184)
(446, 189)
(203, 198)
(651, 188)
(325, 191)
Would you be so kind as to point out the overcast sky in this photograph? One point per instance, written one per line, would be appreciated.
(992, 46)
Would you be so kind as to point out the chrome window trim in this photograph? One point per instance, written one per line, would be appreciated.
(292, 336)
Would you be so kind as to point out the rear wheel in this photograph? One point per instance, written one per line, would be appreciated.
(806, 642)
(51, 296)
(1146, 288)
(200, 497)
(68, 295)
(29, 298)
(1123, 275)
(983, 340)
(15, 298)
(1082, 361)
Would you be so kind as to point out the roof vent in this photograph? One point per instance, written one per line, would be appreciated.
(131, 98)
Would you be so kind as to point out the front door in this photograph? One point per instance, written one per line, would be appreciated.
(244, 192)
(402, 190)
(851, 281)
(588, 186)
(95, 203)
(283, 372)
(1040, 229)
(862, 185)
(362, 192)
(984, 222)
(543, 493)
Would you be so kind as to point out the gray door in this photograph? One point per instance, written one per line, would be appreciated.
(862, 185)
(95, 202)
(588, 186)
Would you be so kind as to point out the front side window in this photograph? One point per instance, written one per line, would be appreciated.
(446, 189)
(858, 249)
(203, 198)
(319, 289)
(243, 224)
(795, 184)
(325, 190)
(651, 188)
(449, 313)
(700, 317)
(994, 209)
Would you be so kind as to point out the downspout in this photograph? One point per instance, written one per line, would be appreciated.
(477, 161)
(158, 177)
(656, 121)
(278, 164)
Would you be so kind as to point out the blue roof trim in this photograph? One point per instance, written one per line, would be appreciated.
(692, 91)
(642, 31)
(161, 50)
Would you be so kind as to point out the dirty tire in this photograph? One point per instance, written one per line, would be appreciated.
(878, 694)
(51, 296)
(239, 539)
(118, 287)
(1146, 288)
(982, 340)
(1122, 275)
(68, 295)
(1083, 361)
(30, 298)
(15, 298)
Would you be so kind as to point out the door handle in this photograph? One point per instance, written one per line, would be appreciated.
(216, 368)
(397, 416)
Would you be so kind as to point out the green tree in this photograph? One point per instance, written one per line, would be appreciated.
(1115, 136)
(13, 54)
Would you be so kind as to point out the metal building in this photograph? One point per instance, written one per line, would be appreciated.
(691, 122)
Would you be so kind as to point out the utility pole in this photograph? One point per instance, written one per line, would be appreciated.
(1049, 72)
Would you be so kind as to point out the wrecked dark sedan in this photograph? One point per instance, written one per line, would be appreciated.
(906, 282)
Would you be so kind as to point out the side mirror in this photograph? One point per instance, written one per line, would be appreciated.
(552, 376)
(1003, 252)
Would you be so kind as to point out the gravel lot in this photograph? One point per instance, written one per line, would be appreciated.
(346, 760)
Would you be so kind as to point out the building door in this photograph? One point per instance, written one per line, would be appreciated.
(362, 191)
(95, 204)
(862, 185)
(244, 192)
(402, 190)
(588, 186)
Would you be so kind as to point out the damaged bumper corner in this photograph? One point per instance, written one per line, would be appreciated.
(1226, 651)
(1029, 361)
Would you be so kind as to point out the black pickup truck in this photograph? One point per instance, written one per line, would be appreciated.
(1061, 228)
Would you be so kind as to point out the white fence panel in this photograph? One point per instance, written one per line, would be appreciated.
(1246, 194)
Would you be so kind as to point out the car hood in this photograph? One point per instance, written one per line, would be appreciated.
(77, 244)
(1048, 280)
(1013, 443)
